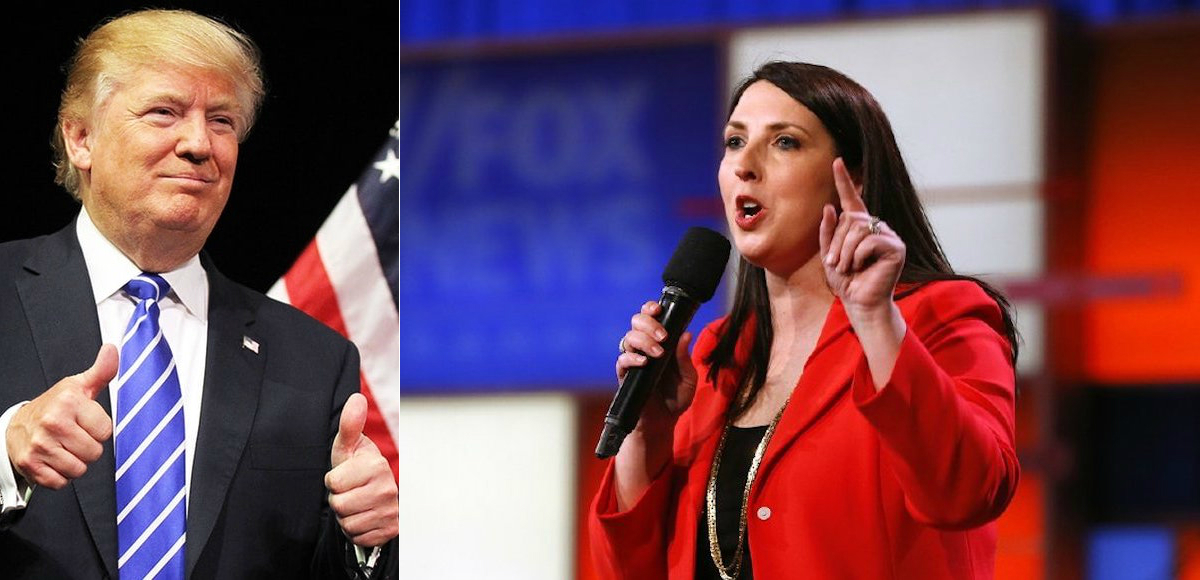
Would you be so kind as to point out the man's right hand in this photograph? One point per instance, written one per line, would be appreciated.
(52, 439)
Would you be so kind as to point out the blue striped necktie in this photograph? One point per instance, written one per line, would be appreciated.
(149, 444)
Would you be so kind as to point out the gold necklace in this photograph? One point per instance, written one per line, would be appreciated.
(714, 548)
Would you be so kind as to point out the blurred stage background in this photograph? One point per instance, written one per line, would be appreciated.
(553, 152)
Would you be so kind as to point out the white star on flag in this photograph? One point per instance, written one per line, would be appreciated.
(389, 168)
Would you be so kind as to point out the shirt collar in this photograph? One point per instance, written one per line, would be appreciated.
(109, 270)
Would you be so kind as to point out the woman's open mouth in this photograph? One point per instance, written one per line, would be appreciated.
(749, 211)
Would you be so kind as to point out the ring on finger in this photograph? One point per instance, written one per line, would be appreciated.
(621, 345)
(874, 227)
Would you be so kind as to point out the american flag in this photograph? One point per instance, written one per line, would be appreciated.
(348, 278)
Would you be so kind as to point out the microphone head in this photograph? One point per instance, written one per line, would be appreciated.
(698, 263)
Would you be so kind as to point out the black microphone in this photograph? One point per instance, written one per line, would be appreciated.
(690, 279)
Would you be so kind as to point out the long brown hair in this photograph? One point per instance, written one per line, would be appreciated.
(863, 138)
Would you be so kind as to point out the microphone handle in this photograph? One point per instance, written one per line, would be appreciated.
(676, 313)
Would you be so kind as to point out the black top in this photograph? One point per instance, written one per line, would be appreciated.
(740, 444)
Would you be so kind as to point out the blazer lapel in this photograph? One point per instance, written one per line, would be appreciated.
(824, 379)
(232, 380)
(56, 294)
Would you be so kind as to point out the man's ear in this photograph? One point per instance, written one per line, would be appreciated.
(76, 138)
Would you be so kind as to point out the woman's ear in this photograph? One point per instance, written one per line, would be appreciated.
(857, 177)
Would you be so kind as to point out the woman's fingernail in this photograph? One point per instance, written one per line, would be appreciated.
(660, 334)
(656, 350)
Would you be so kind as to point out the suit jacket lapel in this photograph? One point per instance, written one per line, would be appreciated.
(821, 384)
(56, 294)
(232, 380)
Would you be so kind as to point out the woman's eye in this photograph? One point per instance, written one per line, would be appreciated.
(734, 142)
(786, 142)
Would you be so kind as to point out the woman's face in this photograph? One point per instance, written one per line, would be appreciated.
(775, 178)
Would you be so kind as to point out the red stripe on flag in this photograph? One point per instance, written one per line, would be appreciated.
(377, 431)
(310, 290)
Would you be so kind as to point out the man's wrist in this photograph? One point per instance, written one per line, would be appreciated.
(15, 490)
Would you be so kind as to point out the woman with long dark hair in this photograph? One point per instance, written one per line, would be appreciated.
(852, 416)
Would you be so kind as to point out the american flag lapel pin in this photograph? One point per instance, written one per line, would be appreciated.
(250, 344)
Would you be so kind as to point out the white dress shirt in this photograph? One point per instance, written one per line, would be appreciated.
(184, 321)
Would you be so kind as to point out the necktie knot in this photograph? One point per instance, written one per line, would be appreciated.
(147, 285)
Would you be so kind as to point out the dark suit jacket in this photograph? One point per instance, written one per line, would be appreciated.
(257, 503)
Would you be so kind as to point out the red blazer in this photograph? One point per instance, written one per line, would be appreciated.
(903, 483)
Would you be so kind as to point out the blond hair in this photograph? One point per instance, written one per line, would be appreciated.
(118, 47)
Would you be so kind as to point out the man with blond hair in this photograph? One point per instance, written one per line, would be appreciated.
(160, 420)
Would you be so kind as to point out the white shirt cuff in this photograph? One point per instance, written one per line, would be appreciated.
(14, 494)
(365, 558)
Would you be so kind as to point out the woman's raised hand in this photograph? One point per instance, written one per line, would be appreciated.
(862, 256)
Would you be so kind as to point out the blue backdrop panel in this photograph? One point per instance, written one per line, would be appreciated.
(433, 21)
(541, 197)
(1131, 553)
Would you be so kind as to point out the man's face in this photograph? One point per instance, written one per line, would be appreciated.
(158, 158)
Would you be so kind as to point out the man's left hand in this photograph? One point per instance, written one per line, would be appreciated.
(362, 490)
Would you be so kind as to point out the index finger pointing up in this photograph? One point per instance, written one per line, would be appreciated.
(849, 193)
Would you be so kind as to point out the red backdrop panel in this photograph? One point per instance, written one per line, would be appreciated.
(1143, 176)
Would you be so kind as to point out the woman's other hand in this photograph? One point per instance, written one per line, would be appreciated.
(647, 450)
(644, 341)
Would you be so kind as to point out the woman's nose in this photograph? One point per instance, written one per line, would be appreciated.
(747, 167)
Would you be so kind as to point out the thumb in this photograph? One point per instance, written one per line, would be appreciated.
(686, 369)
(350, 427)
(93, 380)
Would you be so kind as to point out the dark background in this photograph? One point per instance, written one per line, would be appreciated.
(332, 94)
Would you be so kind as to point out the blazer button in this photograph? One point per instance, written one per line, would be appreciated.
(764, 512)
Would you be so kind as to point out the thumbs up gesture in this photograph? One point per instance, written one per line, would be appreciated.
(51, 440)
(362, 491)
